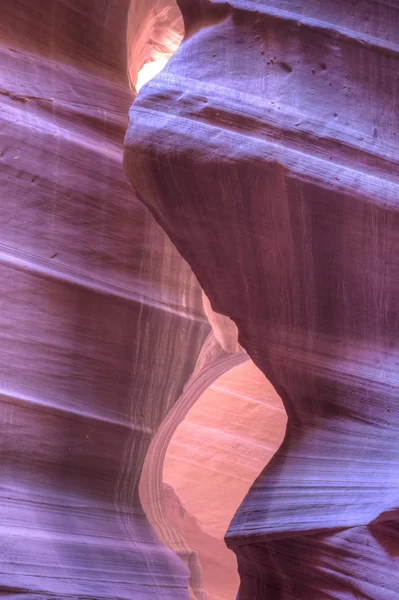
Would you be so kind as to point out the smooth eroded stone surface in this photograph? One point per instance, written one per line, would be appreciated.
(100, 322)
(267, 150)
(215, 454)
(222, 445)
(212, 568)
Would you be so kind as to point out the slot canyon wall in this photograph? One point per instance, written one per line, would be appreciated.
(267, 150)
(134, 418)
(106, 338)
(101, 319)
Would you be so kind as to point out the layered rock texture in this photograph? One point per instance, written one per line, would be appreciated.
(136, 412)
(101, 319)
(267, 151)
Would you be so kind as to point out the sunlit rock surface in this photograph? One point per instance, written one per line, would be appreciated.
(154, 32)
(267, 150)
(215, 454)
(217, 447)
(212, 574)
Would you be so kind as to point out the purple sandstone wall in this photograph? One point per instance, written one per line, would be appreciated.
(94, 298)
(267, 150)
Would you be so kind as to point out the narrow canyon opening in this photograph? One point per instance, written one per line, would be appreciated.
(214, 456)
(206, 454)
(222, 433)
(154, 33)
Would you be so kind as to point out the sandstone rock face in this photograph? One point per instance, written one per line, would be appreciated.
(101, 320)
(209, 449)
(215, 454)
(208, 561)
(266, 149)
(227, 437)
